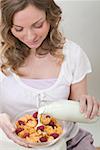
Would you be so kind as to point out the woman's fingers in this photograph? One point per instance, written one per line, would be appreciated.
(86, 105)
(99, 108)
(5, 121)
(9, 131)
(83, 104)
(89, 106)
(17, 140)
(10, 127)
(95, 109)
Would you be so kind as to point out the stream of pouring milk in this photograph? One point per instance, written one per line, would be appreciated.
(38, 117)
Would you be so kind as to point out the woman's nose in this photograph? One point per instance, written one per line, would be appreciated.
(30, 35)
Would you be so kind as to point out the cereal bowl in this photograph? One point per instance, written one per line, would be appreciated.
(48, 133)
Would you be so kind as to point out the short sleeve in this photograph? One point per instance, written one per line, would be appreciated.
(80, 64)
(2, 76)
(0, 108)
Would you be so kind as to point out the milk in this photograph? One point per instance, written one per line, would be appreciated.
(65, 110)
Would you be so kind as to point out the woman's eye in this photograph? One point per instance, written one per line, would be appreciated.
(39, 25)
(18, 30)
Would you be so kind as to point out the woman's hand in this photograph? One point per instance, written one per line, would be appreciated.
(9, 130)
(90, 106)
(99, 108)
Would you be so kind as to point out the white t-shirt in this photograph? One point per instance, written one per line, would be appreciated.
(16, 96)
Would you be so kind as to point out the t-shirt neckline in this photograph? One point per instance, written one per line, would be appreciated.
(18, 79)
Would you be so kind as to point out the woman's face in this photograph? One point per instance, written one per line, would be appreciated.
(30, 26)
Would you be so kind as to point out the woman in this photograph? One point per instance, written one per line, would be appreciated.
(37, 62)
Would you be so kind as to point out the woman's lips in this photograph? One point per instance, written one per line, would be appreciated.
(33, 42)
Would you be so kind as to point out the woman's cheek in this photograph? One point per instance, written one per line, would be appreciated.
(17, 35)
(45, 30)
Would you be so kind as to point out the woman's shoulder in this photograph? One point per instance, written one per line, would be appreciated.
(71, 48)
(74, 54)
(2, 75)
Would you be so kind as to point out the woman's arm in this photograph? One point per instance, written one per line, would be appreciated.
(88, 104)
(78, 89)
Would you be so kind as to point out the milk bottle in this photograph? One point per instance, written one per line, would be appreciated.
(65, 110)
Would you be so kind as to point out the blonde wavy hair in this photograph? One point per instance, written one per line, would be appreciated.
(13, 51)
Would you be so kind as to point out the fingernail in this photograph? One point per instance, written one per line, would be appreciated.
(98, 113)
(13, 130)
(86, 116)
(91, 117)
(81, 111)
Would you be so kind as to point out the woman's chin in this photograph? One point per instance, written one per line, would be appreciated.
(35, 45)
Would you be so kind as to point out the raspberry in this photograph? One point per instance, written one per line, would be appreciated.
(21, 122)
(43, 139)
(18, 130)
(52, 123)
(35, 114)
(47, 116)
(26, 135)
(40, 128)
(55, 135)
(29, 120)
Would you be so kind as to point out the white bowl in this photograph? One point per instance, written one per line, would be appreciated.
(41, 144)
